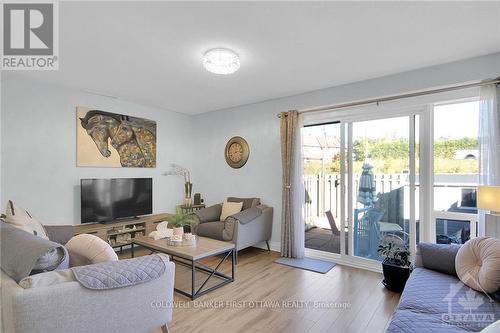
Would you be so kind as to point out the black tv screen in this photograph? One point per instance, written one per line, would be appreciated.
(105, 200)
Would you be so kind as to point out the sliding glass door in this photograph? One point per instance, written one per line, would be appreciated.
(399, 173)
(381, 166)
(361, 184)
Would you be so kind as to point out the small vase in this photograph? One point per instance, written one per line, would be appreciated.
(179, 231)
(187, 202)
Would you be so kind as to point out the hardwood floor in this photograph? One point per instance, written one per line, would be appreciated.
(269, 297)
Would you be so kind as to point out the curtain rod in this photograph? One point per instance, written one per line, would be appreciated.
(396, 97)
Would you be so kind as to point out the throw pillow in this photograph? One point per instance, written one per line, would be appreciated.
(22, 219)
(23, 253)
(478, 264)
(230, 208)
(247, 202)
(50, 261)
(47, 279)
(439, 257)
(88, 249)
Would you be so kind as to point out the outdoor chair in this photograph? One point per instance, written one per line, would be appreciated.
(370, 232)
(333, 225)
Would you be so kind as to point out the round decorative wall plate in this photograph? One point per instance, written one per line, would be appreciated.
(236, 152)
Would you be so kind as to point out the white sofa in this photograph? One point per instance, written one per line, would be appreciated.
(57, 302)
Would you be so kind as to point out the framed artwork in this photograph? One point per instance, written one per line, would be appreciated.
(106, 139)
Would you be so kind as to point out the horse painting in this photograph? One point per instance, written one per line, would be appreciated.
(133, 138)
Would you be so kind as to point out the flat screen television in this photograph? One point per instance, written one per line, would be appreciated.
(106, 200)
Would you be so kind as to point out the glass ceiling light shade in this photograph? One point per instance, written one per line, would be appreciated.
(221, 61)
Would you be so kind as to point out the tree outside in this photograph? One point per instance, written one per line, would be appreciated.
(390, 156)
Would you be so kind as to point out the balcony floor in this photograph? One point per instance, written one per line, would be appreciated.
(321, 239)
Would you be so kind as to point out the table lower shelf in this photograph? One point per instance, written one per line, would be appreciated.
(197, 266)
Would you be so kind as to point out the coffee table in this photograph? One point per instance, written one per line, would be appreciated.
(190, 255)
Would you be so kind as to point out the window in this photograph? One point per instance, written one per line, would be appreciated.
(456, 132)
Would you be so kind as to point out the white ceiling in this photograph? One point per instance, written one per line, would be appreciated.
(150, 52)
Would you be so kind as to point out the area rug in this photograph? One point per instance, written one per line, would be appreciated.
(314, 265)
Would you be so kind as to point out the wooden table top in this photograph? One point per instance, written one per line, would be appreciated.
(204, 247)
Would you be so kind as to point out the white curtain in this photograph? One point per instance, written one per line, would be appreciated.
(489, 141)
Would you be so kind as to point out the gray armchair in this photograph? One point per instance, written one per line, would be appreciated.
(250, 226)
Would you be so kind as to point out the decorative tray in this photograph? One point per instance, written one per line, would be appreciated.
(184, 242)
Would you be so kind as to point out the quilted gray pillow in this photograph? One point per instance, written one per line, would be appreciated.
(122, 273)
(439, 257)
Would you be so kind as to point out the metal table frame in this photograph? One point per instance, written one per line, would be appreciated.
(197, 265)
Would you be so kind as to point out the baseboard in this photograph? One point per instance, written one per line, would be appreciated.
(360, 263)
(275, 246)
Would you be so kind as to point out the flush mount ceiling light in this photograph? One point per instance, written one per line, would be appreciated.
(221, 61)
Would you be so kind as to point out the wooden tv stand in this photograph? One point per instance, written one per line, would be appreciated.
(112, 231)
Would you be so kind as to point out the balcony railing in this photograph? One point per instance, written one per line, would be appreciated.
(323, 194)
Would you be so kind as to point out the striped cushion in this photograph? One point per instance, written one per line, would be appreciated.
(22, 219)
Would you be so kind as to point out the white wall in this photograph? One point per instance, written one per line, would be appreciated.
(38, 140)
(38, 132)
(258, 124)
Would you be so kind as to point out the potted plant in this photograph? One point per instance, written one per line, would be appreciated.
(177, 170)
(188, 188)
(179, 221)
(396, 266)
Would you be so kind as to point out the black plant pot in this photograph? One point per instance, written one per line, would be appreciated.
(395, 276)
(187, 229)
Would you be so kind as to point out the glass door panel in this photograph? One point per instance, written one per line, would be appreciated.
(321, 152)
(456, 169)
(381, 183)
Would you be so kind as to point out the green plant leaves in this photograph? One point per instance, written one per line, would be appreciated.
(180, 219)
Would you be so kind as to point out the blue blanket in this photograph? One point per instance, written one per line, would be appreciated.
(441, 303)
